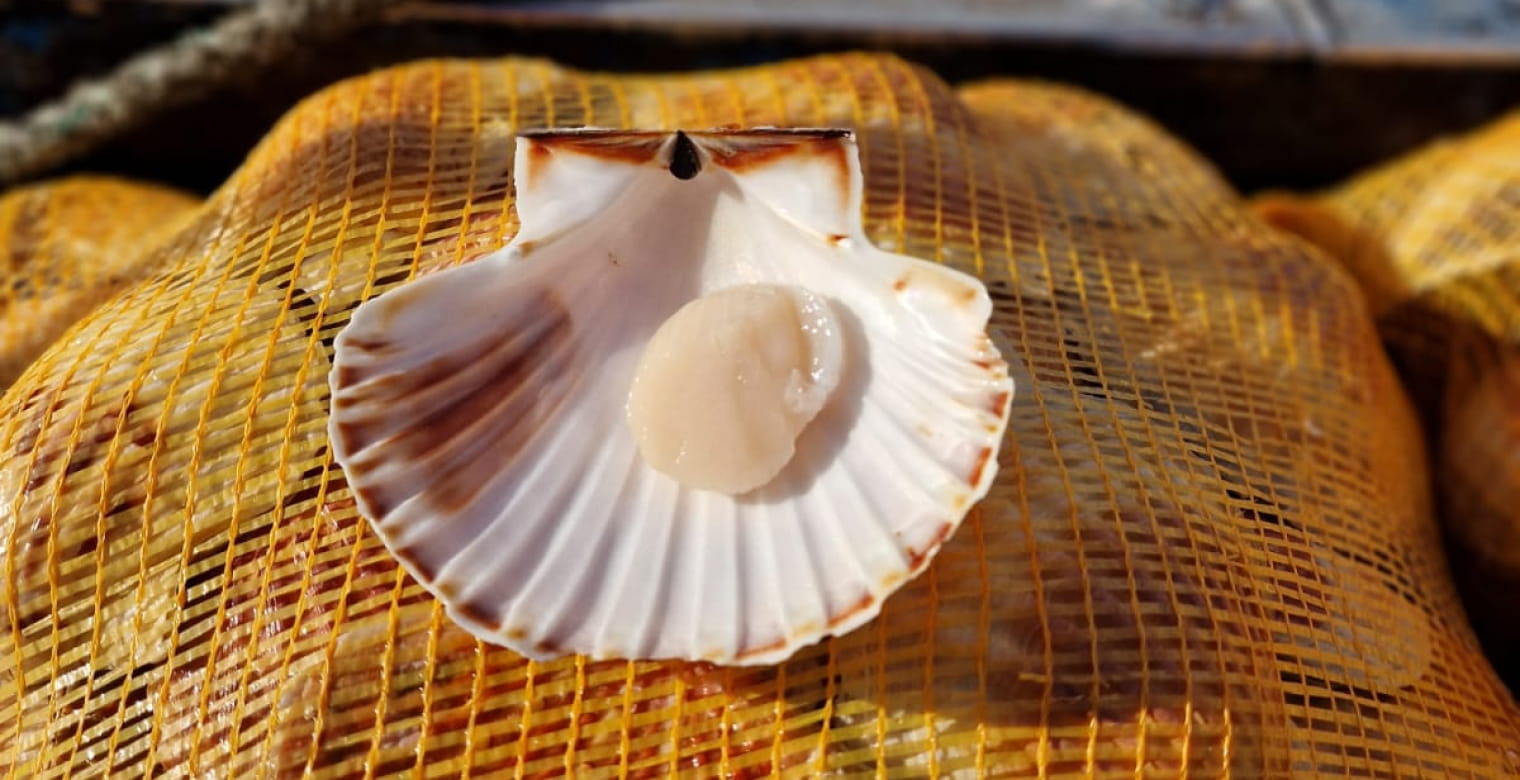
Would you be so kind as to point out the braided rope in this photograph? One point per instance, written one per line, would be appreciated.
(95, 110)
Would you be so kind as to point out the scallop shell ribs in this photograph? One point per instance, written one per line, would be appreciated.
(688, 412)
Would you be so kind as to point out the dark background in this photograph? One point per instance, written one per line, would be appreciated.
(1298, 104)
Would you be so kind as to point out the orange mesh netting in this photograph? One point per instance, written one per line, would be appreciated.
(66, 246)
(1435, 236)
(1432, 236)
(1209, 551)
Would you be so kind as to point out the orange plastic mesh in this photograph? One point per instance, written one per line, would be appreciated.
(1432, 236)
(1209, 552)
(67, 245)
(1435, 236)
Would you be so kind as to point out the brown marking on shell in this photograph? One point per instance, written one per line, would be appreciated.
(415, 564)
(515, 359)
(460, 486)
(981, 463)
(629, 146)
(961, 294)
(540, 150)
(346, 376)
(547, 647)
(517, 633)
(985, 365)
(728, 147)
(837, 238)
(1000, 403)
(538, 160)
(918, 558)
(504, 393)
(367, 344)
(746, 151)
(376, 351)
(769, 647)
(862, 604)
(478, 613)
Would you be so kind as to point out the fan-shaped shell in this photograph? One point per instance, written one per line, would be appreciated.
(479, 412)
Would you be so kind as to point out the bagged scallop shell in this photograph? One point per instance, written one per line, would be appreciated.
(689, 412)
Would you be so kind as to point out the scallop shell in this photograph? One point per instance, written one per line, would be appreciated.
(478, 412)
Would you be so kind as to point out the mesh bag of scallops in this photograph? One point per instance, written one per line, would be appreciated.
(66, 246)
(807, 419)
(1434, 237)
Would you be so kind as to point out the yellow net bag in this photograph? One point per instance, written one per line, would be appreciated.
(1209, 551)
(1435, 237)
(1431, 236)
(67, 245)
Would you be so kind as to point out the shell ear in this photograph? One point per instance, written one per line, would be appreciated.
(810, 176)
(595, 165)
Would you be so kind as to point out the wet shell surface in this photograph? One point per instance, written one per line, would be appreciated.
(689, 412)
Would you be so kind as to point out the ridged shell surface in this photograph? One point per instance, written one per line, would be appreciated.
(479, 412)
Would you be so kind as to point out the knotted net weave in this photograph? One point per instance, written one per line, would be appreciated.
(1209, 552)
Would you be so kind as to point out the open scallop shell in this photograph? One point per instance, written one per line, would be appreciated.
(479, 412)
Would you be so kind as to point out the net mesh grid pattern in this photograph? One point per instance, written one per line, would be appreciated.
(67, 245)
(1209, 552)
(1432, 237)
(1435, 238)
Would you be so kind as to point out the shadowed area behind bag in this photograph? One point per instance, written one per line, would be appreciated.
(1209, 548)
